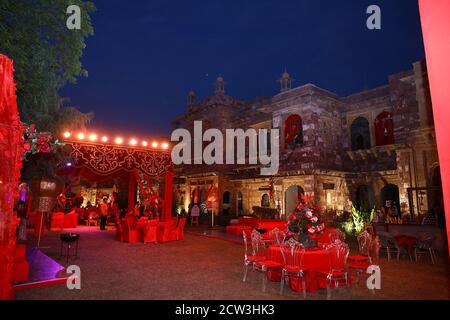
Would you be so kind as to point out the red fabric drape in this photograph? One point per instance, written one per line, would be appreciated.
(384, 129)
(435, 20)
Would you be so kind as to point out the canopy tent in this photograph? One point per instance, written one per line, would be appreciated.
(102, 161)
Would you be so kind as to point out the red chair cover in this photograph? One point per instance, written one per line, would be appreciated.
(57, 221)
(71, 220)
(164, 233)
(149, 231)
(180, 228)
(129, 233)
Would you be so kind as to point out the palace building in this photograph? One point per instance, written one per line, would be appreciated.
(374, 148)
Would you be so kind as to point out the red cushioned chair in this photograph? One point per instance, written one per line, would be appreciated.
(165, 230)
(129, 233)
(57, 221)
(71, 220)
(21, 267)
(119, 234)
(149, 232)
(178, 233)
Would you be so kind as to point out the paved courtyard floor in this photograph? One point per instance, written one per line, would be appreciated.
(207, 268)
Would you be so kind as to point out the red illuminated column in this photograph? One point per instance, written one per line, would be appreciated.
(167, 209)
(435, 18)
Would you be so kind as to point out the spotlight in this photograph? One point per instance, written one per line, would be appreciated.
(144, 143)
(66, 134)
(133, 142)
(155, 144)
(68, 164)
(81, 136)
(92, 137)
(165, 145)
(119, 140)
(104, 139)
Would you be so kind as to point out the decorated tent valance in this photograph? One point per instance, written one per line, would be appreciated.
(105, 159)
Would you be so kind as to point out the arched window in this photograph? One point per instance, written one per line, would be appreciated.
(360, 134)
(384, 129)
(239, 204)
(265, 201)
(226, 203)
(292, 197)
(293, 131)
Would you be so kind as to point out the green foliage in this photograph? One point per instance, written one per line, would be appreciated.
(358, 220)
(46, 56)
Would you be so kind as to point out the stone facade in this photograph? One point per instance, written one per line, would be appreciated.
(371, 148)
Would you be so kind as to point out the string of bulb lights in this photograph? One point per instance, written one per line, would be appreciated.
(92, 137)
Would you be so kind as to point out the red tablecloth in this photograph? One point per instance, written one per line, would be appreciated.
(313, 260)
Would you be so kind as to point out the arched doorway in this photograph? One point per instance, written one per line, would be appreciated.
(390, 198)
(239, 204)
(292, 196)
(226, 202)
(265, 201)
(364, 198)
(360, 134)
(384, 129)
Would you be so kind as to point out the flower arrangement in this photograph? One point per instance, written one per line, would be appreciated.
(38, 142)
(306, 218)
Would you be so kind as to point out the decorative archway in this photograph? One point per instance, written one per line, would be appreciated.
(292, 196)
(390, 197)
(384, 129)
(360, 134)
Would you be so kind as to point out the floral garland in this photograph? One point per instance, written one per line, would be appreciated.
(38, 142)
(306, 218)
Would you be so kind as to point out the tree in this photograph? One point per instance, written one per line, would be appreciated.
(46, 56)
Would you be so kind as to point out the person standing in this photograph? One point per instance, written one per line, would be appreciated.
(103, 214)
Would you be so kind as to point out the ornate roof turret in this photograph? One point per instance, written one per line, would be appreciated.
(285, 81)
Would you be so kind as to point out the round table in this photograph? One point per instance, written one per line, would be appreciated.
(314, 259)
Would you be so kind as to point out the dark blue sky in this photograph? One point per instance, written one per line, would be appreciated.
(146, 55)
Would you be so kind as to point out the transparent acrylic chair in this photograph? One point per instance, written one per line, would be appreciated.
(336, 235)
(262, 265)
(374, 258)
(423, 246)
(292, 252)
(276, 236)
(388, 244)
(337, 254)
(252, 254)
(364, 239)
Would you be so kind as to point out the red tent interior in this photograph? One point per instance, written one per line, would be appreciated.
(102, 162)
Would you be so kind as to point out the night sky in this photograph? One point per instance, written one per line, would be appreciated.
(146, 55)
